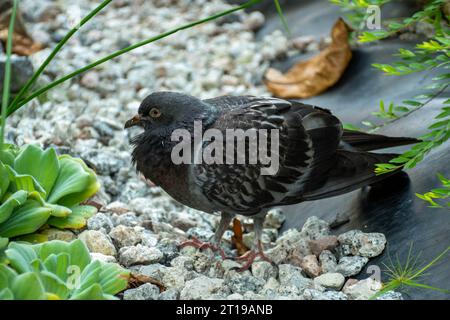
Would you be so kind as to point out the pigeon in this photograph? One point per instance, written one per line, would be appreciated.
(317, 158)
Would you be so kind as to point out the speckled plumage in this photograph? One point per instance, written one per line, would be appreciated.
(318, 158)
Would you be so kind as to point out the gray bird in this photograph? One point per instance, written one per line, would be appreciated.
(317, 157)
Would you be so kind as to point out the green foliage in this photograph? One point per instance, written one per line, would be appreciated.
(356, 10)
(409, 274)
(58, 270)
(431, 13)
(437, 194)
(39, 187)
(7, 78)
(432, 54)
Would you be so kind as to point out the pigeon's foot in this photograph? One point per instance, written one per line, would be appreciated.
(250, 257)
(194, 242)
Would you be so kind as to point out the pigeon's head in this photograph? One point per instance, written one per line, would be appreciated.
(163, 111)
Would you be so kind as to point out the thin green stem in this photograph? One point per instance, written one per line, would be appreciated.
(58, 47)
(7, 78)
(419, 272)
(282, 18)
(125, 50)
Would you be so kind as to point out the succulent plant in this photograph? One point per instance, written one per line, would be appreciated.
(40, 188)
(58, 270)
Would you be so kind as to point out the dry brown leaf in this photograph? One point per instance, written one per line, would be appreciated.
(236, 239)
(311, 77)
(137, 279)
(23, 45)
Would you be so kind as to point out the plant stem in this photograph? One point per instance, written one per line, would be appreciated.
(283, 18)
(56, 50)
(437, 94)
(125, 50)
(7, 78)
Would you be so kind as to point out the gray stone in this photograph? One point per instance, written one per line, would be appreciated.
(244, 283)
(56, 234)
(235, 296)
(148, 239)
(291, 280)
(274, 219)
(169, 294)
(313, 294)
(363, 289)
(21, 71)
(350, 266)
(390, 295)
(201, 288)
(139, 254)
(124, 236)
(147, 291)
(328, 261)
(201, 234)
(100, 221)
(333, 281)
(202, 262)
(263, 270)
(315, 228)
(102, 258)
(363, 244)
(183, 262)
(156, 271)
(97, 241)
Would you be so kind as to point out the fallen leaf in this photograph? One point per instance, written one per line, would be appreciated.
(23, 44)
(236, 239)
(137, 279)
(311, 77)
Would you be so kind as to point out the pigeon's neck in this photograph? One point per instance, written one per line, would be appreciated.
(153, 152)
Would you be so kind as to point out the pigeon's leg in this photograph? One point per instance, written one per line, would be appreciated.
(215, 244)
(257, 250)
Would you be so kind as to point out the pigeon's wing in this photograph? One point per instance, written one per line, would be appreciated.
(308, 140)
(366, 142)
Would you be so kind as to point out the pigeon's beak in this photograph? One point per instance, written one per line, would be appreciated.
(135, 121)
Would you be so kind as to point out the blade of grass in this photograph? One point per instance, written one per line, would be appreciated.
(125, 50)
(282, 18)
(58, 47)
(7, 77)
(434, 261)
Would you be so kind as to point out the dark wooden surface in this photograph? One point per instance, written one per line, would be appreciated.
(390, 207)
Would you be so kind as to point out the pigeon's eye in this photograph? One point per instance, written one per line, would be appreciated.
(155, 113)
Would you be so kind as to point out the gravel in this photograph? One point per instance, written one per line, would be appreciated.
(139, 225)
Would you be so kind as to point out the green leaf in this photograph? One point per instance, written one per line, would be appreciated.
(75, 182)
(4, 180)
(21, 256)
(54, 285)
(113, 278)
(58, 264)
(26, 219)
(76, 220)
(92, 293)
(6, 294)
(89, 276)
(8, 154)
(24, 182)
(28, 286)
(11, 203)
(79, 254)
(40, 164)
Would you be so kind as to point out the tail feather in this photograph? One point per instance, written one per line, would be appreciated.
(353, 170)
(367, 142)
